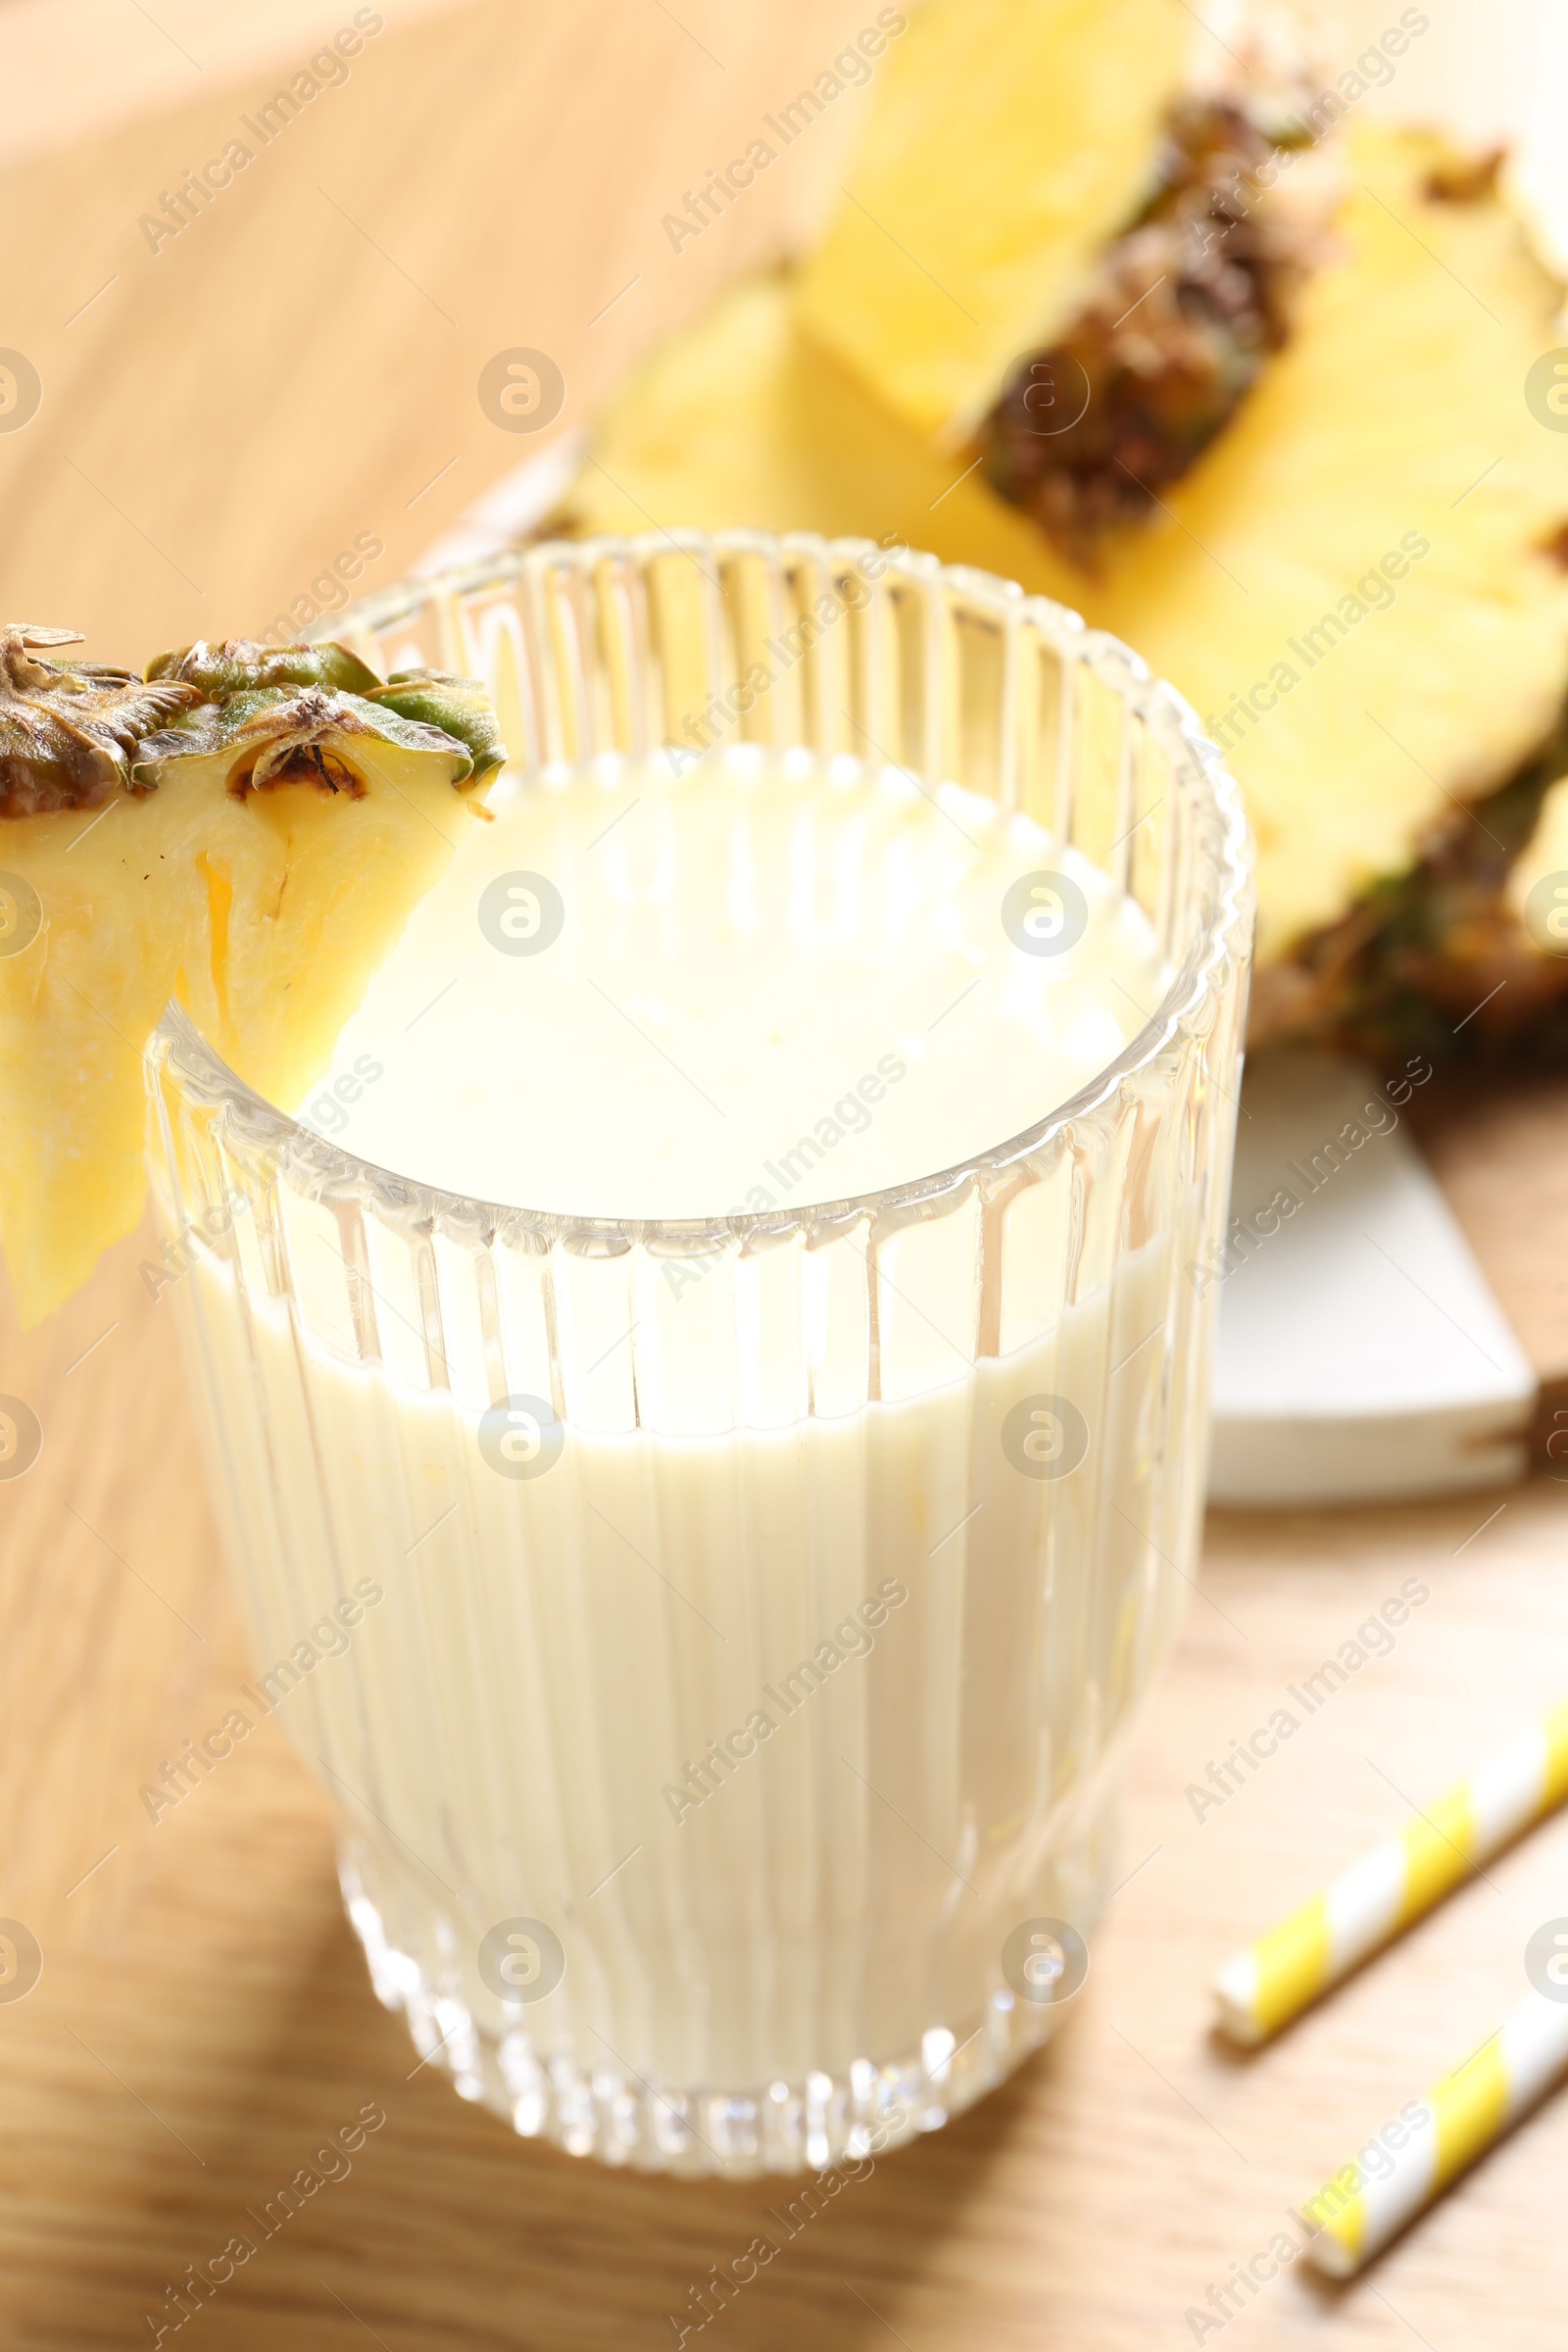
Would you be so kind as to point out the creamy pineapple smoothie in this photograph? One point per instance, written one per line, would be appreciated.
(763, 980)
(723, 1761)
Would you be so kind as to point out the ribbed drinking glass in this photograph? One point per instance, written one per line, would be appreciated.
(513, 1498)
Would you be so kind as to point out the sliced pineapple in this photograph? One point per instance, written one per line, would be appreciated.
(279, 838)
(1450, 959)
(741, 420)
(1392, 424)
(970, 234)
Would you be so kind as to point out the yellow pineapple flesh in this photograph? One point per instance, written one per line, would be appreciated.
(263, 911)
(1393, 420)
(970, 232)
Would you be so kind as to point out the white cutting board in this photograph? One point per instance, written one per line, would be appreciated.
(1361, 1353)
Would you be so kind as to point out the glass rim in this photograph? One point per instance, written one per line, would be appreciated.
(326, 1169)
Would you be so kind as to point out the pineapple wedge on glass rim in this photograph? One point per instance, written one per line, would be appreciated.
(245, 830)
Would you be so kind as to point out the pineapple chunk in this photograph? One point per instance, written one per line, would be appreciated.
(1394, 418)
(263, 907)
(1008, 144)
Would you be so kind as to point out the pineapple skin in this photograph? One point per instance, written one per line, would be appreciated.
(1447, 960)
(263, 918)
(1395, 415)
(1028, 190)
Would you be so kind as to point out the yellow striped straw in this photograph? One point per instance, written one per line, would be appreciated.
(1378, 1897)
(1432, 2141)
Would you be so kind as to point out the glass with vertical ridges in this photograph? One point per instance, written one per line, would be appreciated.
(753, 1430)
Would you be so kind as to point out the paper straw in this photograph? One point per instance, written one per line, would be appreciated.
(1356, 2213)
(1378, 1897)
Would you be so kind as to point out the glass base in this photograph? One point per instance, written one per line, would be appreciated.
(817, 2123)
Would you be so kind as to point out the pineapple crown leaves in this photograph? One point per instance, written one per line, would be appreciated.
(68, 729)
(300, 713)
(239, 663)
(71, 733)
(269, 735)
(458, 707)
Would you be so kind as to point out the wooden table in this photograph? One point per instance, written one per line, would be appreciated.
(204, 2017)
(219, 419)
(227, 410)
